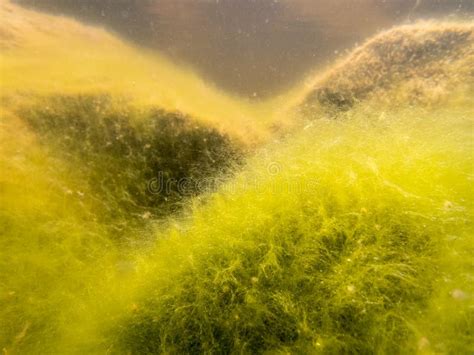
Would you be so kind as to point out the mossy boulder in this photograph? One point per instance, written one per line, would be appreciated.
(78, 193)
(138, 163)
(339, 241)
(426, 59)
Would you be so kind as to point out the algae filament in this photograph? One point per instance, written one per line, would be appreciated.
(334, 218)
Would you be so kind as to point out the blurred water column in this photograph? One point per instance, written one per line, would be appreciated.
(253, 48)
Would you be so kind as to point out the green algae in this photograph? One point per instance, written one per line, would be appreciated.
(344, 249)
(416, 63)
(50, 245)
(353, 235)
(125, 153)
(76, 195)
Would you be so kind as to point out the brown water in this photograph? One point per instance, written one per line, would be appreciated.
(249, 47)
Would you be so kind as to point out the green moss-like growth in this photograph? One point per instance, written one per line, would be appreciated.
(353, 236)
(133, 160)
(75, 179)
(426, 59)
(50, 245)
(336, 243)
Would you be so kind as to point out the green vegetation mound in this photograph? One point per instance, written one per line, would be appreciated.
(137, 163)
(352, 237)
(81, 182)
(50, 245)
(423, 62)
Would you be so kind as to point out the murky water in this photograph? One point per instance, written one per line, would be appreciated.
(252, 48)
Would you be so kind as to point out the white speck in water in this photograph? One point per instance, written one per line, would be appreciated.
(459, 295)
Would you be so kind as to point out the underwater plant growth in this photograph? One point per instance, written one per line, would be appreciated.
(342, 250)
(421, 61)
(121, 151)
(338, 220)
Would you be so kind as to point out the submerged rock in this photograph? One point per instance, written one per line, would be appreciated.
(137, 164)
(342, 251)
(426, 59)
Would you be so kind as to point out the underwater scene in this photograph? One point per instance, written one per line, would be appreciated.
(236, 177)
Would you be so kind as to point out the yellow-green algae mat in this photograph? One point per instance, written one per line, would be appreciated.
(353, 236)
